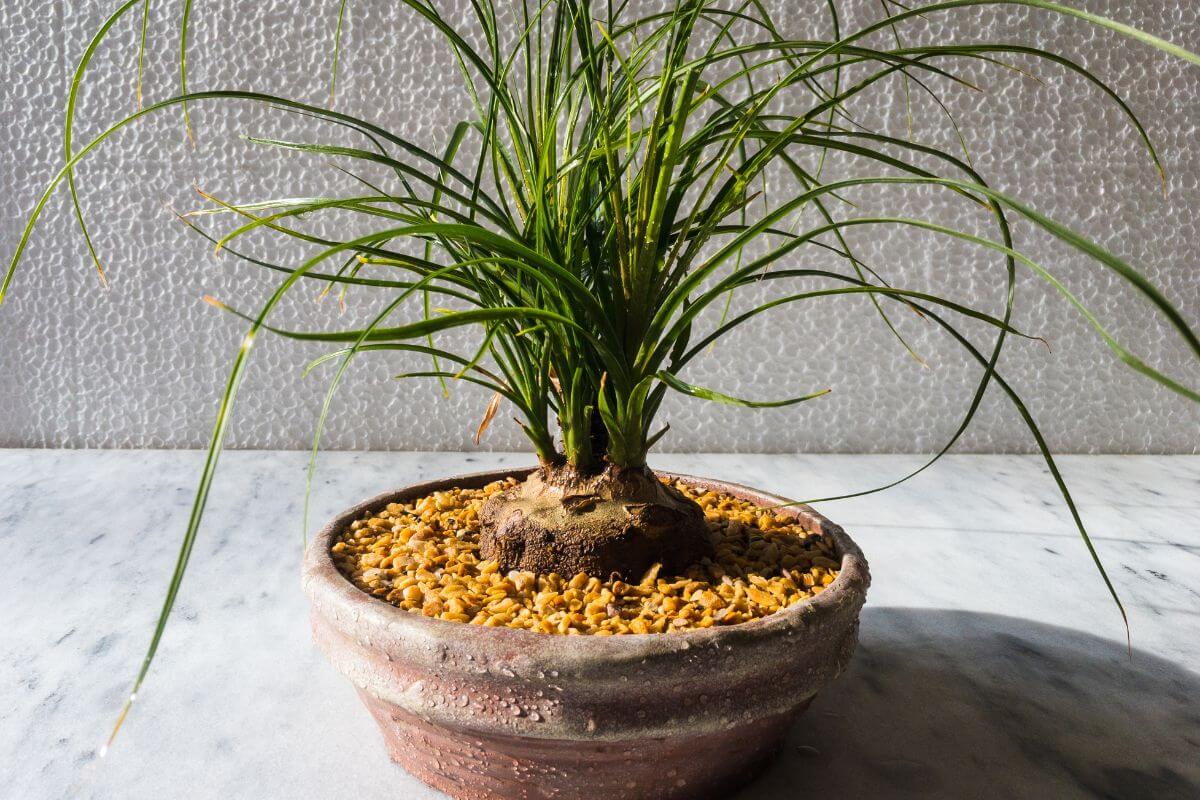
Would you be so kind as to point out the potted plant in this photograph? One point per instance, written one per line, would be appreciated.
(587, 626)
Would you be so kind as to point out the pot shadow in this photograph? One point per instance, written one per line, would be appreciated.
(940, 703)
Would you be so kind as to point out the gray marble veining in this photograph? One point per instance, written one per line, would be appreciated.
(992, 661)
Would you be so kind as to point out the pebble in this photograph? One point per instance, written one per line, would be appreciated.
(423, 557)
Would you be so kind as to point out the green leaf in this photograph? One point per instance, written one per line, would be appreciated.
(709, 394)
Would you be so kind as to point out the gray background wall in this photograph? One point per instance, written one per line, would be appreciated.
(143, 364)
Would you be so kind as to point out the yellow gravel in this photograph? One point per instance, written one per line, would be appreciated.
(423, 557)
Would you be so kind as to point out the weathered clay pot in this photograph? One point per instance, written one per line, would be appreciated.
(495, 714)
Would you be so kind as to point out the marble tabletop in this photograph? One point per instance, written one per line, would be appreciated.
(992, 662)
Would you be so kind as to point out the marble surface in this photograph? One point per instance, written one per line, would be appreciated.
(992, 662)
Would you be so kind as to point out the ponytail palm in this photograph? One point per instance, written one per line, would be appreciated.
(620, 177)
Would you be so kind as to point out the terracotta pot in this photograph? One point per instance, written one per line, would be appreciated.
(495, 713)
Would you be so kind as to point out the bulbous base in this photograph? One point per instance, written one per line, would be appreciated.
(620, 520)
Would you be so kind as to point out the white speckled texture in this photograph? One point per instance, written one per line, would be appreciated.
(992, 663)
(143, 364)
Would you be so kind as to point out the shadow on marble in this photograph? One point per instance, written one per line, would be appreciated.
(956, 704)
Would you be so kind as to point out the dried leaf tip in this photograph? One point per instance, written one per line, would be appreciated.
(488, 416)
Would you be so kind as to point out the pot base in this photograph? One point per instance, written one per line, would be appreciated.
(469, 765)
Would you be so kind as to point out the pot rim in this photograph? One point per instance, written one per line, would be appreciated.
(327, 587)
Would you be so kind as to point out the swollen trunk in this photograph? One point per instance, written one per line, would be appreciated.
(619, 520)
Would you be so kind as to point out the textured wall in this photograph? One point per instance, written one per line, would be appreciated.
(144, 363)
